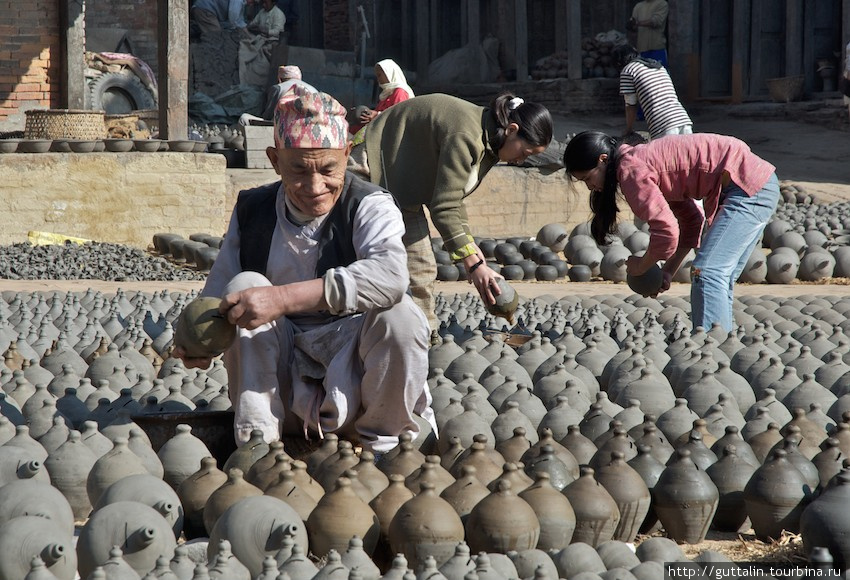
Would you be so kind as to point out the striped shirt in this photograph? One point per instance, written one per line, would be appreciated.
(656, 96)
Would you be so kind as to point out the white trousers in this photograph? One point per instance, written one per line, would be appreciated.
(375, 367)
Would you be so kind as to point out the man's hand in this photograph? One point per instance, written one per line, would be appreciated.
(368, 116)
(636, 267)
(253, 307)
(191, 362)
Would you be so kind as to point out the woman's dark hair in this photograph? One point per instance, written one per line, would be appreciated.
(582, 154)
(534, 121)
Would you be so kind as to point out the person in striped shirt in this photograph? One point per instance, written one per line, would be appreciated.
(646, 84)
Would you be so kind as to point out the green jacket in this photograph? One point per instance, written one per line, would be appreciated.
(433, 150)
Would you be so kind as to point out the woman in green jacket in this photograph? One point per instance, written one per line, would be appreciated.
(434, 150)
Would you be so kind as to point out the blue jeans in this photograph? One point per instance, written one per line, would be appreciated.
(725, 249)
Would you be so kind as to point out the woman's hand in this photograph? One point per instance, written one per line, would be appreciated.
(482, 277)
(635, 266)
(368, 116)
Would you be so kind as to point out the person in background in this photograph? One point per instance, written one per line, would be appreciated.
(434, 150)
(287, 76)
(269, 21)
(213, 16)
(649, 19)
(313, 273)
(394, 90)
(646, 84)
(661, 182)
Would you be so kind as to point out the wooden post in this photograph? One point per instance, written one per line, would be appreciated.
(793, 37)
(423, 56)
(521, 21)
(845, 27)
(173, 58)
(407, 34)
(73, 30)
(574, 39)
(561, 10)
(474, 22)
(741, 31)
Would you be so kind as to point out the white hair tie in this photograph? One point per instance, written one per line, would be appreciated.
(514, 103)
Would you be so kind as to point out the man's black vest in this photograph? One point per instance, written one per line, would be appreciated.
(255, 212)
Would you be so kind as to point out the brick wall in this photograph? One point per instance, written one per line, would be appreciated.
(30, 59)
(138, 17)
(337, 27)
(112, 197)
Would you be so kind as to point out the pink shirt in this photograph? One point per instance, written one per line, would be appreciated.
(661, 180)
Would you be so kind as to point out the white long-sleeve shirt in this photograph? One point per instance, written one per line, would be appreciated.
(377, 279)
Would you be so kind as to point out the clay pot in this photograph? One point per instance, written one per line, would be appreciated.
(685, 499)
(328, 448)
(432, 472)
(338, 516)
(356, 557)
(501, 522)
(69, 467)
(223, 564)
(775, 497)
(649, 469)
(426, 525)
(647, 284)
(824, 522)
(465, 493)
(31, 497)
(271, 475)
(150, 491)
(730, 474)
(141, 531)
(597, 515)
(181, 456)
(554, 513)
(194, 493)
(289, 492)
(387, 503)
(114, 465)
(202, 331)
(405, 461)
(230, 492)
(580, 446)
(459, 565)
(248, 454)
(576, 559)
(629, 492)
(255, 528)
(33, 535)
(763, 443)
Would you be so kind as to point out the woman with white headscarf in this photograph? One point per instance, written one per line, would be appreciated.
(394, 89)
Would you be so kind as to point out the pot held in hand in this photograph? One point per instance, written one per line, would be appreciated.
(202, 330)
(647, 284)
(506, 302)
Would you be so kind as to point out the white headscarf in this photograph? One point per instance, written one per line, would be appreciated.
(396, 79)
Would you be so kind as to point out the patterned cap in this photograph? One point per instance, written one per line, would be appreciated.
(289, 72)
(305, 119)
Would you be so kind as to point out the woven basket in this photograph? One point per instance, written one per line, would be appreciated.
(785, 89)
(64, 124)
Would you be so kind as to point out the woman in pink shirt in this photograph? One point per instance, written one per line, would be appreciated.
(661, 182)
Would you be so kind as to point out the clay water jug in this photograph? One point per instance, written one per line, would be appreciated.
(465, 493)
(150, 491)
(685, 499)
(763, 443)
(577, 558)
(356, 557)
(426, 525)
(465, 426)
(649, 469)
(551, 464)
(580, 446)
(26, 536)
(824, 522)
(502, 521)
(181, 456)
(629, 492)
(298, 565)
(554, 513)
(230, 492)
(69, 466)
(289, 492)
(513, 449)
(730, 474)
(99, 444)
(255, 528)
(224, 564)
(141, 531)
(459, 565)
(742, 448)
(116, 567)
(387, 503)
(114, 465)
(244, 457)
(676, 421)
(486, 469)
(597, 515)
(30, 497)
(139, 445)
(194, 492)
(430, 471)
(775, 497)
(333, 467)
(829, 461)
(333, 569)
(338, 516)
(23, 440)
